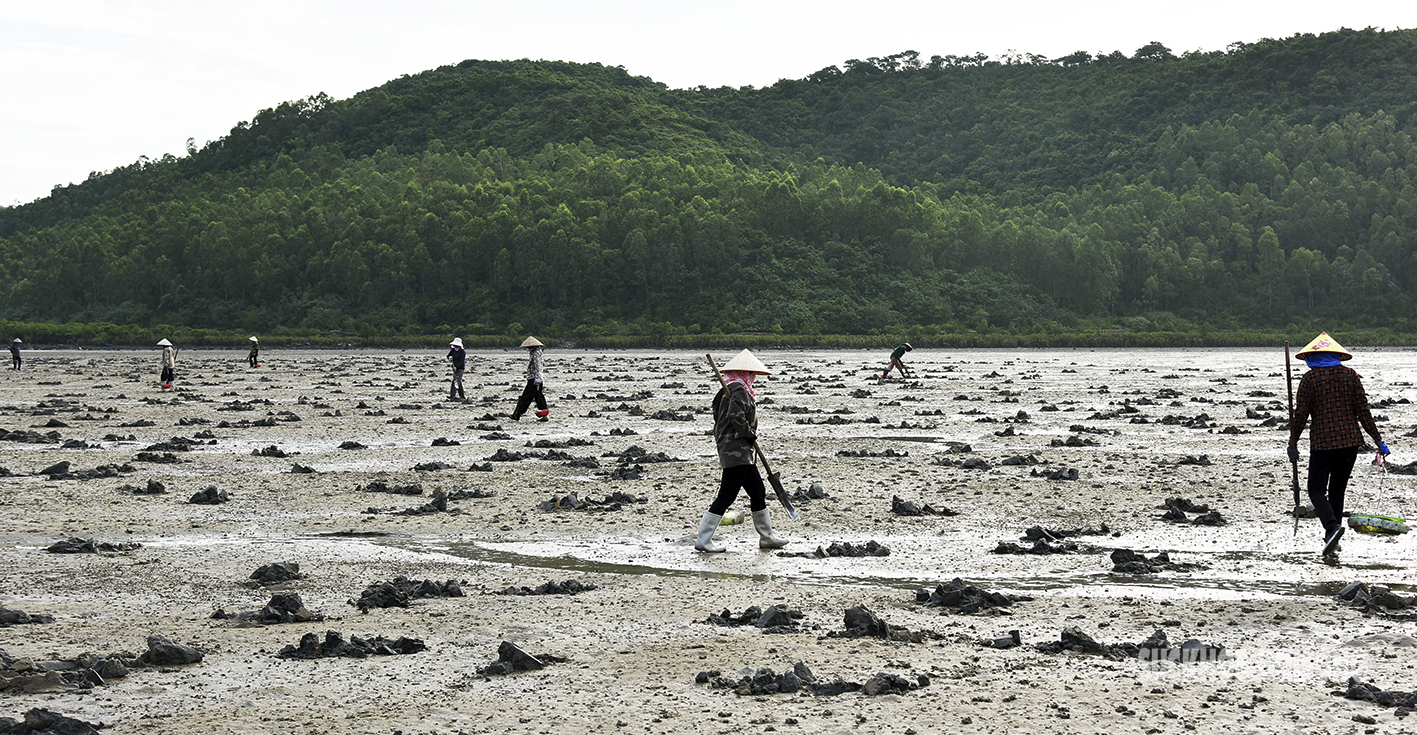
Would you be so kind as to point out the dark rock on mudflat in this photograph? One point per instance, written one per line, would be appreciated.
(1062, 473)
(775, 619)
(907, 508)
(432, 466)
(89, 546)
(46, 722)
(625, 472)
(1039, 533)
(511, 658)
(960, 597)
(884, 683)
(352, 445)
(840, 548)
(286, 608)
(209, 495)
(866, 453)
(446, 442)
(9, 617)
(860, 622)
(1126, 561)
(156, 458)
(333, 645)
(1361, 690)
(1212, 518)
(1039, 547)
(379, 486)
(1377, 599)
(572, 501)
(300, 469)
(276, 573)
(271, 451)
(1157, 648)
(163, 651)
(58, 468)
(568, 587)
(1185, 505)
(399, 591)
(153, 487)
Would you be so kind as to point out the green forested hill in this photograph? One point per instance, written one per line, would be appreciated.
(1266, 185)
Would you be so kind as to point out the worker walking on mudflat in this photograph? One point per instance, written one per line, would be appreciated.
(458, 356)
(169, 363)
(1333, 395)
(15, 352)
(533, 390)
(735, 433)
(254, 355)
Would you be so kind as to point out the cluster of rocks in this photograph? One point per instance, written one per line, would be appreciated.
(1177, 508)
(333, 645)
(29, 437)
(1405, 702)
(47, 722)
(568, 587)
(61, 471)
(400, 591)
(1062, 473)
(572, 501)
(153, 487)
(560, 443)
(282, 608)
(1040, 547)
(9, 617)
(209, 495)
(1378, 599)
(866, 453)
(1126, 561)
(625, 472)
(78, 545)
(1039, 533)
(66, 675)
(511, 658)
(432, 466)
(180, 444)
(1074, 441)
(841, 548)
(907, 508)
(1154, 648)
(158, 458)
(775, 619)
(860, 622)
(438, 504)
(379, 486)
(813, 492)
(957, 596)
(764, 681)
(636, 454)
(275, 573)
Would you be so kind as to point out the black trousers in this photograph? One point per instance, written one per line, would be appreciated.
(532, 392)
(1329, 470)
(17, 361)
(743, 476)
(167, 375)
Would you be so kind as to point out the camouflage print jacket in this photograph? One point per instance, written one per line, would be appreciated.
(735, 416)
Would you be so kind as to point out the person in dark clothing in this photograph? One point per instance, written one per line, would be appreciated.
(15, 352)
(735, 432)
(1332, 394)
(533, 391)
(254, 355)
(896, 354)
(458, 356)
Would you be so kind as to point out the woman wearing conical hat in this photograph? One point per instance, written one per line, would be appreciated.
(15, 352)
(735, 431)
(458, 356)
(533, 391)
(169, 363)
(1332, 394)
(254, 356)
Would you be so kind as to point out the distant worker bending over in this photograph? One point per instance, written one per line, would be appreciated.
(896, 354)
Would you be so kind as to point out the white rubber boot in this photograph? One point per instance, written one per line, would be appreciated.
(764, 527)
(707, 526)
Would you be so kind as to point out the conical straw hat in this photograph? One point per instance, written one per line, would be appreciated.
(17, 339)
(253, 339)
(748, 363)
(457, 342)
(532, 342)
(164, 343)
(1325, 343)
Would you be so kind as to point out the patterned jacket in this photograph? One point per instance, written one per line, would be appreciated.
(533, 369)
(735, 416)
(169, 357)
(1334, 397)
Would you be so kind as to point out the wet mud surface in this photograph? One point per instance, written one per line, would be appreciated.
(346, 476)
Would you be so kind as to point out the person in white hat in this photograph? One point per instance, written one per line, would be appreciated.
(15, 351)
(458, 356)
(169, 363)
(1332, 394)
(254, 355)
(735, 432)
(533, 390)
(896, 356)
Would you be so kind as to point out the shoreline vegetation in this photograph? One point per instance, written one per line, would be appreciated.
(58, 335)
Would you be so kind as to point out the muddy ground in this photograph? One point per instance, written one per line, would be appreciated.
(635, 644)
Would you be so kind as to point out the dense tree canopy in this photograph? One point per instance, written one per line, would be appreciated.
(1270, 183)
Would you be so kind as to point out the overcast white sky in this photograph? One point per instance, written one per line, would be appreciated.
(89, 85)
